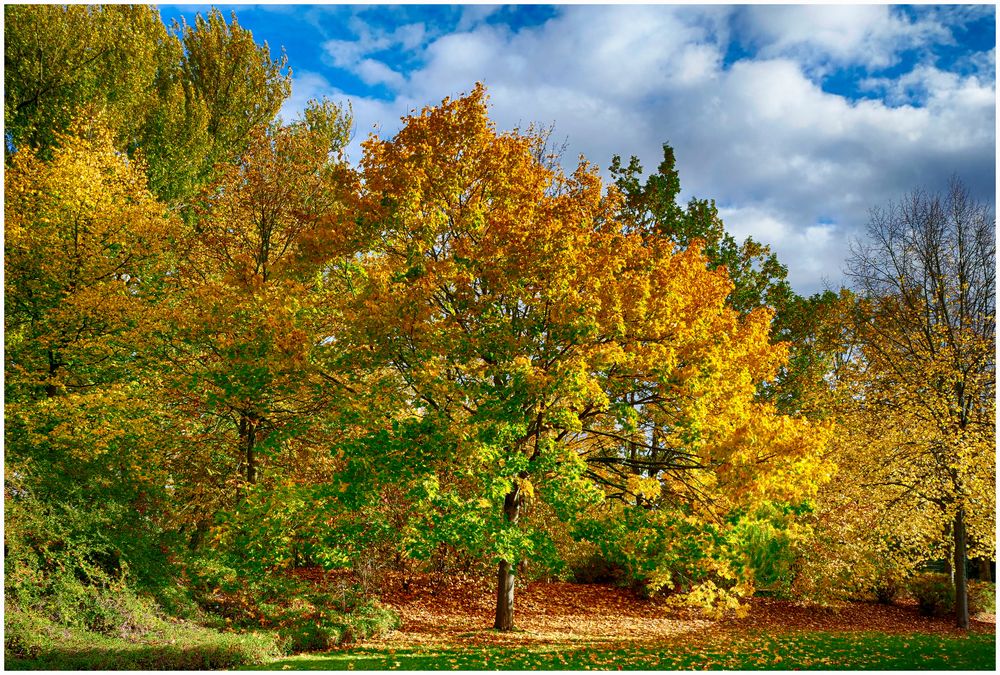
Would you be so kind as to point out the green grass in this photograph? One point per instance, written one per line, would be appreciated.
(787, 651)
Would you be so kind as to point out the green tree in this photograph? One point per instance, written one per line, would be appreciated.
(239, 84)
(86, 246)
(237, 337)
(759, 279)
(183, 99)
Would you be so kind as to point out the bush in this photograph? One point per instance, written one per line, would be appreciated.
(596, 569)
(934, 593)
(309, 636)
(32, 641)
(372, 620)
(886, 588)
(304, 627)
(25, 635)
(982, 597)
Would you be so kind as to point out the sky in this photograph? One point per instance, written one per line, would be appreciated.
(795, 119)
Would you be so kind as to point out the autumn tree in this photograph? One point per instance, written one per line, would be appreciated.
(925, 378)
(58, 59)
(759, 279)
(536, 337)
(86, 247)
(652, 208)
(237, 83)
(184, 99)
(244, 318)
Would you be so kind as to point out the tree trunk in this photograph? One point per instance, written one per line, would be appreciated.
(246, 444)
(51, 390)
(505, 597)
(505, 572)
(246, 456)
(251, 456)
(961, 587)
(198, 536)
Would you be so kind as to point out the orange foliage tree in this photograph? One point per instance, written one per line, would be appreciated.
(238, 334)
(544, 347)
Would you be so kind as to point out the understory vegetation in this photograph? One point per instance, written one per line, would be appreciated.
(248, 380)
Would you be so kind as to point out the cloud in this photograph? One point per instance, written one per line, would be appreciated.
(306, 85)
(819, 35)
(812, 252)
(357, 56)
(793, 165)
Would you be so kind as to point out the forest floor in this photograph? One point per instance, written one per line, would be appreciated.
(560, 611)
(564, 626)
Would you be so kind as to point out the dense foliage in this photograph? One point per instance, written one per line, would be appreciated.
(230, 354)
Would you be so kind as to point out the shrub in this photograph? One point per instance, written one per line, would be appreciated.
(372, 620)
(982, 597)
(886, 587)
(596, 569)
(309, 636)
(933, 592)
(304, 627)
(25, 635)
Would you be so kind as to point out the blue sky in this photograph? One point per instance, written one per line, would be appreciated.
(795, 119)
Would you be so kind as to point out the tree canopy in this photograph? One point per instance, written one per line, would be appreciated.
(227, 346)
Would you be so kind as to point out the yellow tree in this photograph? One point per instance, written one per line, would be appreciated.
(924, 383)
(86, 248)
(537, 341)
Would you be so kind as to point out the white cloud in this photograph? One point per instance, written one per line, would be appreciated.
(870, 35)
(474, 15)
(792, 165)
(357, 56)
(813, 253)
(306, 85)
(374, 72)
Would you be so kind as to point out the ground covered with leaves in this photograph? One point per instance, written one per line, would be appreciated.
(563, 626)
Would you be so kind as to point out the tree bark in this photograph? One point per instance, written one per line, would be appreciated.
(505, 597)
(251, 441)
(961, 587)
(247, 443)
(246, 455)
(505, 572)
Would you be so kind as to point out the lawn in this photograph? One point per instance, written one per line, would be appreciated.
(600, 627)
(568, 627)
(722, 651)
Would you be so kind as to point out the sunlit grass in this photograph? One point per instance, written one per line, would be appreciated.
(730, 651)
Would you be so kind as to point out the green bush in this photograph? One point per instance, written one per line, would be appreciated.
(33, 641)
(309, 636)
(372, 620)
(25, 635)
(596, 569)
(935, 594)
(306, 627)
